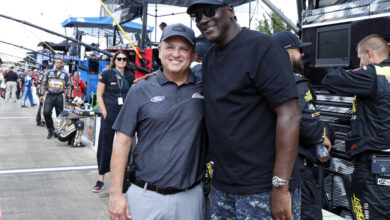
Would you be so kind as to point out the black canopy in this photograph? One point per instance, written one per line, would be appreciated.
(182, 3)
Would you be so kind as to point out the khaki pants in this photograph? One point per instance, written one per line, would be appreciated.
(148, 205)
(11, 91)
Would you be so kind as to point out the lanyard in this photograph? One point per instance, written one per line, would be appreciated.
(120, 85)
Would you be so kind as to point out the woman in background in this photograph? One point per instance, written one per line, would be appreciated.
(114, 83)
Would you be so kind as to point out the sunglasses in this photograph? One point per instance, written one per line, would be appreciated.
(207, 11)
(121, 59)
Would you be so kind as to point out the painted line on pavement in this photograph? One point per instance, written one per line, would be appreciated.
(6, 198)
(48, 169)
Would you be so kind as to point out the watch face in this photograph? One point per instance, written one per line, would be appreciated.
(275, 182)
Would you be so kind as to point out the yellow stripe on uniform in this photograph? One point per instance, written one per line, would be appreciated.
(383, 71)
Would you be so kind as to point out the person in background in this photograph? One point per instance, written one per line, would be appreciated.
(312, 130)
(55, 88)
(252, 118)
(2, 83)
(27, 93)
(21, 75)
(162, 26)
(78, 85)
(38, 84)
(368, 143)
(112, 90)
(11, 79)
(201, 49)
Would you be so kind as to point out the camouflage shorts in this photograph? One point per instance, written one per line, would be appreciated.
(228, 206)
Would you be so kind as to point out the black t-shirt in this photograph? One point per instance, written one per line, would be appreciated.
(114, 90)
(11, 76)
(242, 83)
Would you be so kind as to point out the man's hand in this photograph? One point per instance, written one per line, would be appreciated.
(281, 203)
(118, 208)
(147, 76)
(104, 113)
(327, 143)
(41, 99)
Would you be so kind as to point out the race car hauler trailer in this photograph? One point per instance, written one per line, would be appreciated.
(335, 27)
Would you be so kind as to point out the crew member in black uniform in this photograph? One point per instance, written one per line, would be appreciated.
(55, 84)
(112, 89)
(312, 130)
(38, 85)
(369, 140)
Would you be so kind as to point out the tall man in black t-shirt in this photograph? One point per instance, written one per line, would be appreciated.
(252, 118)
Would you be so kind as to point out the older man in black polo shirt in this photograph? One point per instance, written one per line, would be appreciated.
(166, 111)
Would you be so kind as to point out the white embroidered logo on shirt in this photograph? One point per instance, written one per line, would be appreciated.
(197, 96)
(157, 99)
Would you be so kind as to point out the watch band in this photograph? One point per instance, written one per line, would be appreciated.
(277, 181)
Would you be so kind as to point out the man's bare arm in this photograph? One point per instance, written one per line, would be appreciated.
(287, 136)
(118, 207)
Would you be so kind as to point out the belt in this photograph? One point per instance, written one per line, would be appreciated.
(160, 190)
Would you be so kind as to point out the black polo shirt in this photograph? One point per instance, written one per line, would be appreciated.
(169, 121)
(242, 83)
(11, 76)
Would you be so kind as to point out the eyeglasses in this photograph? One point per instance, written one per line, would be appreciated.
(208, 11)
(121, 59)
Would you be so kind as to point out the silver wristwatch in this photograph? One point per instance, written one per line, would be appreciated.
(277, 181)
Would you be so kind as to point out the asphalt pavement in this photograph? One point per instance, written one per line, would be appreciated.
(41, 178)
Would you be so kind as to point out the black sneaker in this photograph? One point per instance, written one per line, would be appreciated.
(50, 135)
(98, 187)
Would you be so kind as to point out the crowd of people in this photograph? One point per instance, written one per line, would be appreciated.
(16, 84)
(38, 86)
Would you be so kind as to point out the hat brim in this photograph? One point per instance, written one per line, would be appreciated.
(192, 7)
(305, 44)
(179, 35)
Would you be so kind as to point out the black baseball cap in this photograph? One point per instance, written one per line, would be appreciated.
(191, 8)
(289, 41)
(179, 30)
(201, 48)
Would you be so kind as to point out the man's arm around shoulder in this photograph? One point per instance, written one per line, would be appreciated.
(118, 206)
(287, 136)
